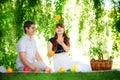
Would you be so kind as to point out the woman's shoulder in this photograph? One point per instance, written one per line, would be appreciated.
(51, 39)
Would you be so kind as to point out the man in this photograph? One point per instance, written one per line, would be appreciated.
(27, 51)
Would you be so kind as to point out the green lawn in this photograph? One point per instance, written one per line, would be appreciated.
(104, 75)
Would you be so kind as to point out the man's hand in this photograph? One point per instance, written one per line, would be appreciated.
(36, 69)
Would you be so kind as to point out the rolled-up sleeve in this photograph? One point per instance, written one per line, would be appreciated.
(21, 46)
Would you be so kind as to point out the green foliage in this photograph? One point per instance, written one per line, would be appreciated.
(117, 25)
(59, 8)
(32, 3)
(95, 50)
(4, 1)
(97, 6)
(8, 60)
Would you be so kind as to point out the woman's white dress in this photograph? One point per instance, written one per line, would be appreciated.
(63, 60)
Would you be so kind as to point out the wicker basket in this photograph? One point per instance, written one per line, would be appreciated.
(101, 64)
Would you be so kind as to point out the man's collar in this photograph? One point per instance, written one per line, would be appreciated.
(28, 37)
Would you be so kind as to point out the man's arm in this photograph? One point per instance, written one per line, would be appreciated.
(26, 63)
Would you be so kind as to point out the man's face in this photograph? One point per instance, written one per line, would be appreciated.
(30, 30)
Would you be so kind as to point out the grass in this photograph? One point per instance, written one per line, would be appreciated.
(104, 75)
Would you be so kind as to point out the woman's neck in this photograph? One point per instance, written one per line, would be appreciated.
(60, 36)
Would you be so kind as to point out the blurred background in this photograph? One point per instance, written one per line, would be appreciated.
(92, 25)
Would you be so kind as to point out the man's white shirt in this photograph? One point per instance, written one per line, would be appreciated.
(27, 45)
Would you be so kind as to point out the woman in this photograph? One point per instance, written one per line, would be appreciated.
(60, 45)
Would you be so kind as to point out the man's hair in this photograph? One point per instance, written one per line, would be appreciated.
(27, 24)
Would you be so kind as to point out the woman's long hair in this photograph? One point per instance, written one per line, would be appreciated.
(66, 39)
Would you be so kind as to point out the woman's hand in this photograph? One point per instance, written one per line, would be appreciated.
(60, 41)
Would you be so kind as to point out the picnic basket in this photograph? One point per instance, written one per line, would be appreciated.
(101, 64)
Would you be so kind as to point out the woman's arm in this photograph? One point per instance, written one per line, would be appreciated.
(49, 48)
(65, 47)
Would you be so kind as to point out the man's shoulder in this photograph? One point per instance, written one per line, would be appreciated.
(22, 40)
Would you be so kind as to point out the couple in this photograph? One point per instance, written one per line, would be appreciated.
(27, 51)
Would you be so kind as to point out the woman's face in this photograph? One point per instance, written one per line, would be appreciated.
(59, 30)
